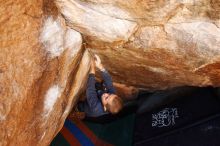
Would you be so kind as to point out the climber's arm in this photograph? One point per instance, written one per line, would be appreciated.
(108, 81)
(105, 75)
(91, 94)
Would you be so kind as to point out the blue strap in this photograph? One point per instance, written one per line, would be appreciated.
(78, 133)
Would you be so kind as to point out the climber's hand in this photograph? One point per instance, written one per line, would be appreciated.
(98, 63)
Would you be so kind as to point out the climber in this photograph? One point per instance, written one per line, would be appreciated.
(100, 97)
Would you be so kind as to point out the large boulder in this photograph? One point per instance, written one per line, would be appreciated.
(43, 69)
(151, 44)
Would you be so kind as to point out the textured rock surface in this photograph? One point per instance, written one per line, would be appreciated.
(84, 17)
(170, 43)
(42, 72)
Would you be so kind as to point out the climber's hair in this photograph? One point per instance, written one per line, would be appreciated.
(115, 105)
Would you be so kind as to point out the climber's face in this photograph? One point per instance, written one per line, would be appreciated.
(105, 98)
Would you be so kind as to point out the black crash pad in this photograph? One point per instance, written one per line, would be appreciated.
(192, 120)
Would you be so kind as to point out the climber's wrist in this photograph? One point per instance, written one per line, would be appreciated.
(92, 71)
(101, 68)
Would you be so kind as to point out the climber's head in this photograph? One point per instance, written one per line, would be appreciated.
(112, 103)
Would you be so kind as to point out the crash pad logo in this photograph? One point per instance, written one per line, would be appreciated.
(165, 118)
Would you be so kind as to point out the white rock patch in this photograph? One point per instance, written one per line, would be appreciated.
(50, 98)
(73, 40)
(52, 37)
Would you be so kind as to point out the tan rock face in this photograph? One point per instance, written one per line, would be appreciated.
(83, 17)
(171, 43)
(42, 71)
(143, 43)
